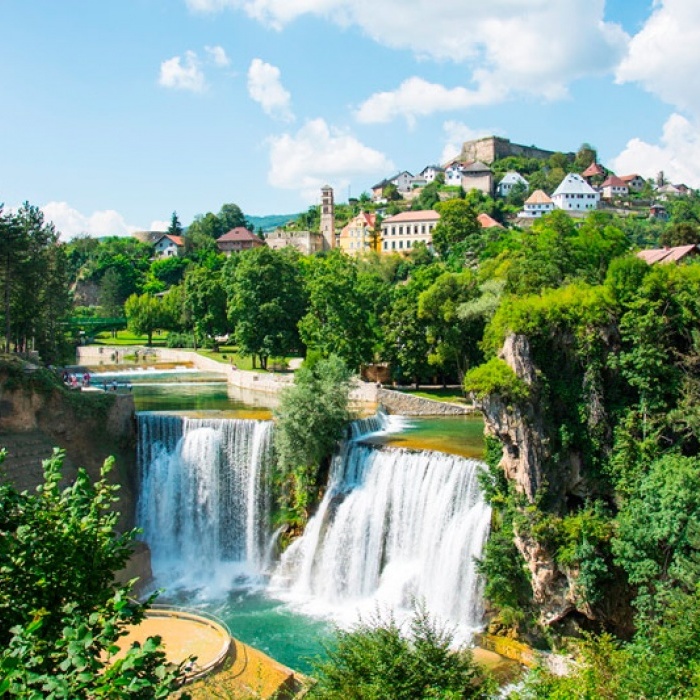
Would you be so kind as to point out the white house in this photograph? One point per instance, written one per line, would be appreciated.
(430, 172)
(403, 181)
(575, 194)
(634, 182)
(614, 187)
(537, 204)
(453, 174)
(401, 232)
(168, 246)
(510, 180)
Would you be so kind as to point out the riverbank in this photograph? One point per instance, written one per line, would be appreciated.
(364, 396)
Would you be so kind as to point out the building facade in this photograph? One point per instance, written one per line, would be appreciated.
(401, 233)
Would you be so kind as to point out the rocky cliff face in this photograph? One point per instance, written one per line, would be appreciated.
(528, 462)
(88, 426)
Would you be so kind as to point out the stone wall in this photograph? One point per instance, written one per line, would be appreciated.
(399, 403)
(494, 147)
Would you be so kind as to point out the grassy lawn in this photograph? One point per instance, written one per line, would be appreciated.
(128, 338)
(449, 394)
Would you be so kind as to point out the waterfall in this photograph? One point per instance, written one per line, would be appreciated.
(204, 502)
(394, 527)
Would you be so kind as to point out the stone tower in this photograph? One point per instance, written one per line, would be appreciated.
(327, 217)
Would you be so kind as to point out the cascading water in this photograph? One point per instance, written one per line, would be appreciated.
(204, 502)
(395, 527)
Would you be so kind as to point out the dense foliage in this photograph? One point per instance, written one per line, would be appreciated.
(310, 421)
(378, 659)
(61, 610)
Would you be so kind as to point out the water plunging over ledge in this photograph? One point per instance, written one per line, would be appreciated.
(395, 526)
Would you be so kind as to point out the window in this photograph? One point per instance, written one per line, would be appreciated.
(400, 244)
(393, 245)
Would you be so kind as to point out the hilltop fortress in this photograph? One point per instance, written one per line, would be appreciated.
(492, 148)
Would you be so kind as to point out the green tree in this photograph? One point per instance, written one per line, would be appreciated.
(61, 610)
(457, 224)
(683, 233)
(337, 321)
(205, 303)
(175, 228)
(453, 338)
(310, 421)
(266, 300)
(376, 659)
(143, 315)
(110, 299)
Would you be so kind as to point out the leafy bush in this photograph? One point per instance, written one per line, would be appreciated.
(496, 377)
(376, 660)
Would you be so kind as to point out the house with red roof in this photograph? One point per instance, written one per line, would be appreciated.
(358, 235)
(634, 182)
(537, 204)
(594, 172)
(402, 231)
(169, 246)
(675, 254)
(236, 240)
(614, 187)
(487, 221)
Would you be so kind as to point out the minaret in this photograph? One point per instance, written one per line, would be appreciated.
(327, 217)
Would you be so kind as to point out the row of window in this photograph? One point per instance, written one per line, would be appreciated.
(415, 229)
(392, 245)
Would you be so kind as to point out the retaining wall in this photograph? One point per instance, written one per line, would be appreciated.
(409, 405)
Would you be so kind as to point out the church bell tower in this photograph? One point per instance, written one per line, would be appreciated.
(327, 217)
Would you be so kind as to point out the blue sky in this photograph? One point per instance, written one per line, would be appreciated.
(117, 112)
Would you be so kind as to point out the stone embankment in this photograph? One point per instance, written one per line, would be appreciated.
(404, 404)
(366, 395)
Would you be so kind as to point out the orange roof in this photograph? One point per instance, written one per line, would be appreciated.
(593, 169)
(614, 181)
(487, 221)
(539, 197)
(666, 255)
(177, 240)
(629, 178)
(238, 234)
(420, 215)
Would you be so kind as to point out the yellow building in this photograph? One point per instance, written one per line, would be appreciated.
(358, 235)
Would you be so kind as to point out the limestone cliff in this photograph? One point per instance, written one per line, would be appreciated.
(37, 413)
(528, 461)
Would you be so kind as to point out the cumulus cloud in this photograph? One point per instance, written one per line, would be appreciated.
(677, 154)
(319, 154)
(182, 73)
(416, 97)
(664, 57)
(265, 87)
(159, 225)
(69, 222)
(456, 133)
(534, 48)
(217, 55)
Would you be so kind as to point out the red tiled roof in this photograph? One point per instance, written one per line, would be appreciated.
(237, 234)
(177, 240)
(539, 197)
(614, 181)
(629, 178)
(420, 215)
(593, 169)
(666, 255)
(487, 221)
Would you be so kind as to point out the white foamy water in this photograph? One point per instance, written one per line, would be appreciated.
(204, 502)
(395, 528)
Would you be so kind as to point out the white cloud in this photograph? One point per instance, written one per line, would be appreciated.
(677, 154)
(417, 97)
(664, 57)
(70, 222)
(507, 46)
(456, 133)
(265, 87)
(182, 73)
(217, 55)
(317, 155)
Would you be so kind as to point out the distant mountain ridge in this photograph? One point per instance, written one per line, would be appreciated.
(271, 221)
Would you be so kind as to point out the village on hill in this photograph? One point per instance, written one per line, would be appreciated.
(508, 183)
